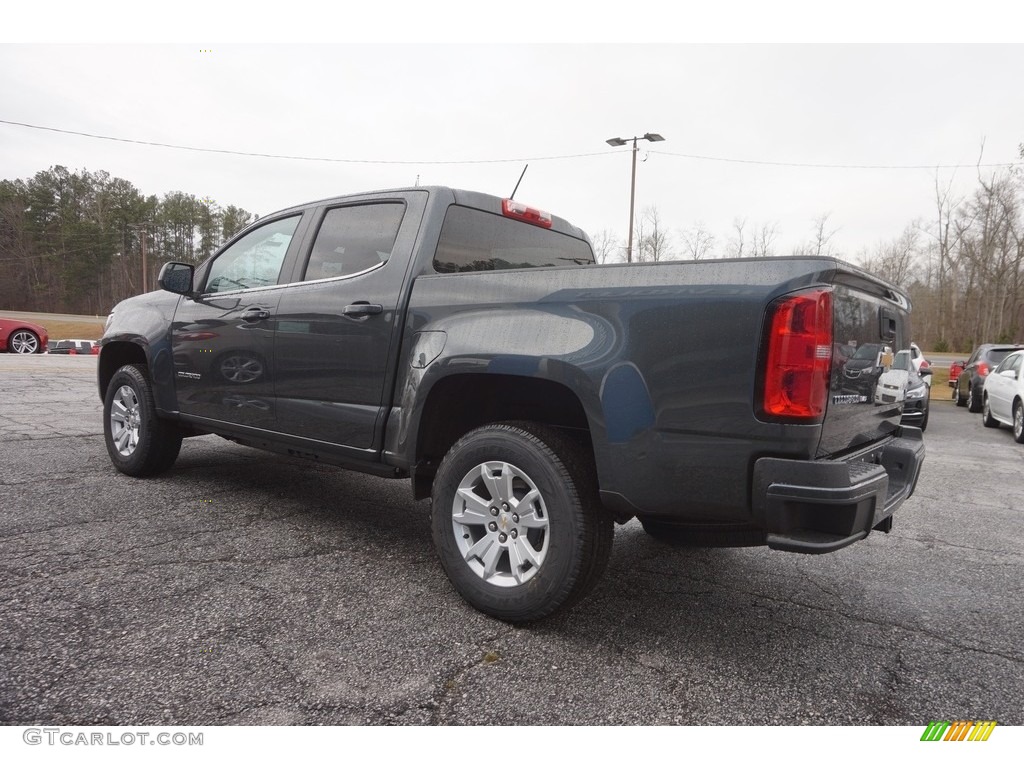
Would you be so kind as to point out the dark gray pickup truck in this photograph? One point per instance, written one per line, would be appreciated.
(471, 344)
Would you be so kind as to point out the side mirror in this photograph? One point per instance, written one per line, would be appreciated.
(176, 277)
(1010, 374)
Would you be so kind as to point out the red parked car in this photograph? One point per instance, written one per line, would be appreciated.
(21, 337)
(954, 373)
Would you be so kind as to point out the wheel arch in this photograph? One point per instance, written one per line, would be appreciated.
(115, 354)
(461, 402)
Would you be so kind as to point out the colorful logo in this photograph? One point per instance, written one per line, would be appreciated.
(959, 730)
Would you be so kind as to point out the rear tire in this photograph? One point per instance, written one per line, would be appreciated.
(139, 442)
(517, 522)
(961, 401)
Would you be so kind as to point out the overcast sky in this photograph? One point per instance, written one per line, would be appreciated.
(442, 113)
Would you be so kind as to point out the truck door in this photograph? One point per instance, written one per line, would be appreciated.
(338, 322)
(222, 341)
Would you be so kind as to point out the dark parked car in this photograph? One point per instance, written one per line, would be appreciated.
(917, 396)
(969, 382)
(21, 337)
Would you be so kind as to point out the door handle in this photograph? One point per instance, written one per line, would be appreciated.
(255, 313)
(362, 308)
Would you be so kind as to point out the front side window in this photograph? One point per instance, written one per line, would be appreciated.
(354, 239)
(255, 260)
(476, 241)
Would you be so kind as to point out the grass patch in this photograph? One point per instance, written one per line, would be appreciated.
(940, 377)
(73, 329)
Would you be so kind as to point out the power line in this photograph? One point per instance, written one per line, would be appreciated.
(300, 157)
(709, 158)
(845, 166)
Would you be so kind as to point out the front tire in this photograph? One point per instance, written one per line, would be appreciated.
(1018, 421)
(973, 399)
(139, 442)
(517, 522)
(24, 342)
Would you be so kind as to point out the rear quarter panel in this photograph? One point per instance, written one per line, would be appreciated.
(662, 357)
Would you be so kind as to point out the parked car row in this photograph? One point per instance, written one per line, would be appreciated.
(971, 375)
(21, 337)
(990, 382)
(1002, 395)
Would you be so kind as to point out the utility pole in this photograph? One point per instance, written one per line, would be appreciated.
(619, 142)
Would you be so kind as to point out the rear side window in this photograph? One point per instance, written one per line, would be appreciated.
(476, 241)
(353, 239)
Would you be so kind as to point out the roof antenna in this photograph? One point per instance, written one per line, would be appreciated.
(513, 195)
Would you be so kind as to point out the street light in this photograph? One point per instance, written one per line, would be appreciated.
(617, 142)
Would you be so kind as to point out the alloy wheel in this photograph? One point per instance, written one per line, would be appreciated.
(24, 343)
(500, 524)
(125, 420)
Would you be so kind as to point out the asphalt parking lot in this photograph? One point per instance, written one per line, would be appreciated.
(247, 588)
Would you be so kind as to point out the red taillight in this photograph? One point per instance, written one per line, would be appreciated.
(515, 210)
(799, 356)
(982, 369)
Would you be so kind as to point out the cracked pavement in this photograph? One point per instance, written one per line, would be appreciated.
(248, 588)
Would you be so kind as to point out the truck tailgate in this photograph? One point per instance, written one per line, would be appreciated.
(870, 323)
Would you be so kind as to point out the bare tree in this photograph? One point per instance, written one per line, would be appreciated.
(764, 239)
(820, 242)
(946, 242)
(737, 243)
(606, 246)
(823, 234)
(652, 237)
(895, 259)
(697, 242)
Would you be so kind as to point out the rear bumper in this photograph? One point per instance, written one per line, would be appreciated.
(815, 507)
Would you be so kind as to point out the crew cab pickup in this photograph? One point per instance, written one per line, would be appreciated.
(471, 345)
